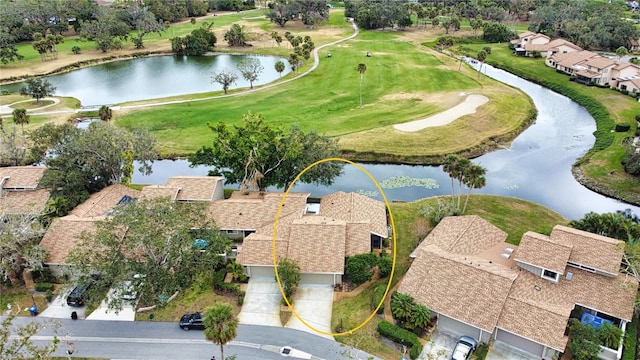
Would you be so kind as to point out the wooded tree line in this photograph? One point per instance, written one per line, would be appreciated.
(591, 24)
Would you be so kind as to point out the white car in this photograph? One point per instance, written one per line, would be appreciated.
(464, 348)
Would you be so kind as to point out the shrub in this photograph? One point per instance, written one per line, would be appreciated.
(401, 336)
(415, 351)
(42, 287)
(42, 276)
(49, 295)
(359, 267)
(623, 127)
(385, 264)
(638, 118)
(625, 91)
(76, 50)
(631, 340)
(481, 351)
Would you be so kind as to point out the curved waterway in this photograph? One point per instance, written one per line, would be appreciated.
(536, 167)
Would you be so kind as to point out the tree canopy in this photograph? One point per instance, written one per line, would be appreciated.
(38, 88)
(155, 238)
(257, 155)
(80, 162)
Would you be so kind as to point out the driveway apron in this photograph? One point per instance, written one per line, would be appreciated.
(313, 303)
(261, 303)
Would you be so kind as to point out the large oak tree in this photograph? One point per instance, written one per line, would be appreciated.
(257, 155)
(152, 237)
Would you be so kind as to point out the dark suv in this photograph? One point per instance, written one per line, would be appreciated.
(191, 321)
(76, 297)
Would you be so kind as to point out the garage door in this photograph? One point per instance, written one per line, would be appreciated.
(261, 271)
(520, 342)
(325, 279)
(456, 327)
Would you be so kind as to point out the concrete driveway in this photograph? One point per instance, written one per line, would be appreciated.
(502, 351)
(314, 304)
(440, 346)
(261, 303)
(128, 312)
(59, 309)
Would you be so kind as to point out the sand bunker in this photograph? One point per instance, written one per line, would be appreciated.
(467, 107)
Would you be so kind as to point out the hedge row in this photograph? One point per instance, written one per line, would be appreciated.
(631, 340)
(402, 336)
(43, 287)
(220, 285)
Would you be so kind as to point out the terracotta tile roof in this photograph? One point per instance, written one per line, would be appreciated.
(317, 244)
(535, 324)
(63, 235)
(21, 177)
(104, 200)
(591, 250)
(195, 188)
(588, 74)
(611, 295)
(158, 191)
(553, 44)
(457, 286)
(465, 235)
(353, 207)
(598, 62)
(252, 211)
(257, 249)
(539, 250)
(358, 238)
(23, 202)
(572, 58)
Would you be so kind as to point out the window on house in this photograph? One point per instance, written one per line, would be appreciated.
(623, 87)
(550, 275)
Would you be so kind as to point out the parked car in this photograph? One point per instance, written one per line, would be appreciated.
(192, 321)
(464, 348)
(76, 297)
(129, 287)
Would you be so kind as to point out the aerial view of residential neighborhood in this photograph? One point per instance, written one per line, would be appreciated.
(320, 180)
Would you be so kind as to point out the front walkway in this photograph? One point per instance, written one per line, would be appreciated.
(261, 303)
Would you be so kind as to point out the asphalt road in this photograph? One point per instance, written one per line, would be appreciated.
(164, 340)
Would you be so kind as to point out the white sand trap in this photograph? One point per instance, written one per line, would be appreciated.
(467, 107)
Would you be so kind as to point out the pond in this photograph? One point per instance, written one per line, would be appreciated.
(153, 77)
(536, 167)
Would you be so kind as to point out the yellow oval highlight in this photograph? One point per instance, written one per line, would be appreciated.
(275, 261)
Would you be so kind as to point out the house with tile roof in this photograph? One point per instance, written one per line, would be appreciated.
(478, 285)
(19, 193)
(64, 233)
(320, 241)
(524, 44)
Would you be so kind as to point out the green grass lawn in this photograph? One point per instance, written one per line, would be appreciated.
(402, 83)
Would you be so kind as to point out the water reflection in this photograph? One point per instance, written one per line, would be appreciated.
(152, 77)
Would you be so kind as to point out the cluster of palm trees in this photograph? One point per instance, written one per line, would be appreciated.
(468, 174)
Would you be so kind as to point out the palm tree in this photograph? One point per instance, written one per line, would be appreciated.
(362, 68)
(20, 117)
(279, 65)
(220, 324)
(474, 179)
(420, 317)
(450, 167)
(482, 56)
(402, 306)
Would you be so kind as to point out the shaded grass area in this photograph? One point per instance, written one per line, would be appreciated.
(402, 83)
(196, 298)
(514, 216)
(20, 299)
(602, 164)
